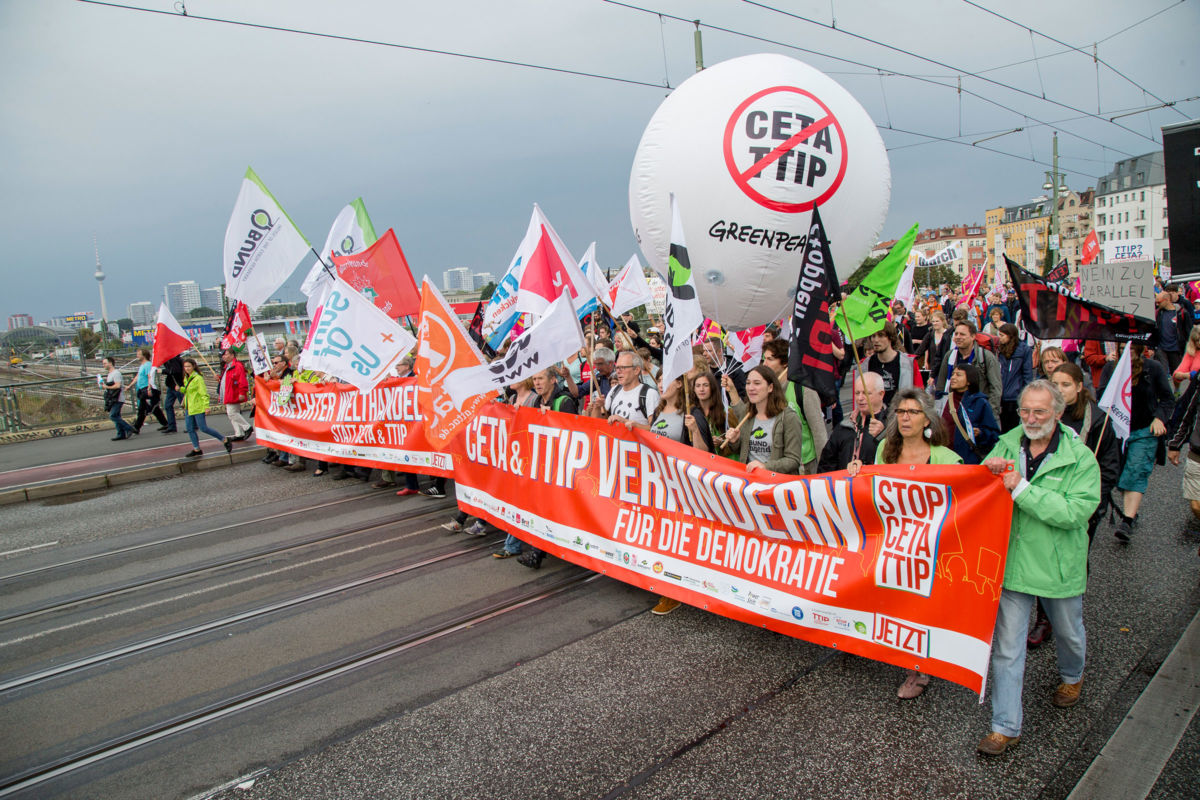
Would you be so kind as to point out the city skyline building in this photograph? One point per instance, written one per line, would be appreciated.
(1131, 202)
(458, 279)
(142, 312)
(181, 297)
(19, 321)
(214, 298)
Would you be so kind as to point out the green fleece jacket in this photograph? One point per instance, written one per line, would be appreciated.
(1048, 543)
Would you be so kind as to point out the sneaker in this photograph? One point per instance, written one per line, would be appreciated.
(665, 606)
(477, 529)
(996, 743)
(269, 458)
(504, 554)
(406, 492)
(119, 438)
(1124, 530)
(297, 467)
(432, 491)
(454, 526)
(193, 454)
(1067, 694)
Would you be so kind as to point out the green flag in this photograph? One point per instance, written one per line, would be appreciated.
(867, 306)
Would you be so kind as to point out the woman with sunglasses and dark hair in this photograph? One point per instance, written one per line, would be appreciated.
(914, 435)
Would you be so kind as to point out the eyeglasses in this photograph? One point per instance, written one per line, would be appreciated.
(908, 412)
(1039, 413)
(624, 366)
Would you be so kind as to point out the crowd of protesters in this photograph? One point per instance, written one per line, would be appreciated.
(931, 387)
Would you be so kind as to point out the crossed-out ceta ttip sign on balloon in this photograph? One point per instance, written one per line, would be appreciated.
(749, 147)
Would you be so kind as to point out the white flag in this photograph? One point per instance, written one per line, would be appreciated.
(555, 336)
(747, 346)
(595, 275)
(353, 340)
(262, 246)
(549, 271)
(629, 289)
(352, 232)
(1116, 396)
(904, 289)
(682, 314)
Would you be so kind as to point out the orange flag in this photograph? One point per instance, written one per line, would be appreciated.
(443, 347)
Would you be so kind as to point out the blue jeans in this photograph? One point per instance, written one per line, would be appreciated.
(123, 427)
(173, 396)
(512, 545)
(1008, 651)
(197, 422)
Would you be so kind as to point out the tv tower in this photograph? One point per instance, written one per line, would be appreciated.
(100, 281)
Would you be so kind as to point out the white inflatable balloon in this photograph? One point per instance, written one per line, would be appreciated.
(748, 147)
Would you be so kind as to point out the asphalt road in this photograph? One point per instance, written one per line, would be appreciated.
(583, 696)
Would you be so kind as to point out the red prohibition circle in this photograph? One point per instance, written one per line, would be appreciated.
(743, 180)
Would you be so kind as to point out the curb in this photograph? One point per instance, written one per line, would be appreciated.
(128, 476)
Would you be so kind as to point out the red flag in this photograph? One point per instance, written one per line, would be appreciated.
(381, 273)
(1091, 248)
(239, 324)
(169, 338)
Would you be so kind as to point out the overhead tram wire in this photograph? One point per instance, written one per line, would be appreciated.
(873, 69)
(1072, 47)
(939, 139)
(579, 73)
(944, 65)
(376, 42)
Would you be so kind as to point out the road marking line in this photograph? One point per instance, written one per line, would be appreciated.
(1134, 756)
(26, 549)
(207, 589)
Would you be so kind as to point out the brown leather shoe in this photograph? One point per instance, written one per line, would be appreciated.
(996, 743)
(665, 606)
(1067, 694)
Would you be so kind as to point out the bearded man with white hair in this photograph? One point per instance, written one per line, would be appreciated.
(1055, 485)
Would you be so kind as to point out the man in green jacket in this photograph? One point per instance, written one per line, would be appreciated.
(1055, 485)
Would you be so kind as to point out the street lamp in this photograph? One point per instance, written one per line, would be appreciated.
(1054, 178)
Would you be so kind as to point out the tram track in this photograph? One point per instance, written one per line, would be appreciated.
(291, 512)
(114, 746)
(207, 566)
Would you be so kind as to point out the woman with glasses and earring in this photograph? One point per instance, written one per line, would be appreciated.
(914, 434)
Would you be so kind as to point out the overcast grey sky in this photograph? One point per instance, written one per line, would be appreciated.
(137, 127)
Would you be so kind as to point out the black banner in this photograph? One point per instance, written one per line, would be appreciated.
(810, 356)
(1050, 311)
(1181, 162)
(1059, 273)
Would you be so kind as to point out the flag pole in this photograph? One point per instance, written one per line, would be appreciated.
(324, 264)
(1100, 439)
(854, 348)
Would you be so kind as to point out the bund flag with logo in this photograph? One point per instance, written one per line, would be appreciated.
(442, 349)
(381, 273)
(810, 355)
(352, 232)
(1050, 311)
(262, 245)
(866, 307)
(682, 314)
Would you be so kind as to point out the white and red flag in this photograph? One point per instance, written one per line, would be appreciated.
(629, 289)
(549, 271)
(747, 346)
(1118, 395)
(238, 325)
(169, 338)
(442, 349)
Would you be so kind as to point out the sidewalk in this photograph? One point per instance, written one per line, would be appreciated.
(82, 462)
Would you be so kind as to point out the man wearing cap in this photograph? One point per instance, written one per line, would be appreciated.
(1174, 326)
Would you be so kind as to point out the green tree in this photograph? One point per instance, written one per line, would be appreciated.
(861, 273)
(125, 324)
(88, 342)
(933, 277)
(203, 311)
(486, 293)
